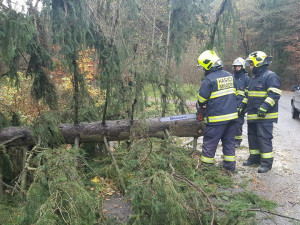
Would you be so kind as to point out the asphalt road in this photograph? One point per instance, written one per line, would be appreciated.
(282, 183)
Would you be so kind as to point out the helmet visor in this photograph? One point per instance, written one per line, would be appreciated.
(249, 63)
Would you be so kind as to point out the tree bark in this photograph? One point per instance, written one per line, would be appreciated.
(115, 130)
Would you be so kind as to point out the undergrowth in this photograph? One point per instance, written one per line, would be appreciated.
(165, 182)
(148, 167)
(58, 195)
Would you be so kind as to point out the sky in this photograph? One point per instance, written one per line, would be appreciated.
(19, 5)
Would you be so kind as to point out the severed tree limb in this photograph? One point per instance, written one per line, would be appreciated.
(276, 214)
(12, 140)
(198, 215)
(26, 163)
(184, 179)
(8, 186)
(115, 163)
(270, 218)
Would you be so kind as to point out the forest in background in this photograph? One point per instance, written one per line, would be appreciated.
(114, 49)
(73, 61)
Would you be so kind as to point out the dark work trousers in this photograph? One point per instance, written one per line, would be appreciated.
(260, 143)
(239, 129)
(212, 135)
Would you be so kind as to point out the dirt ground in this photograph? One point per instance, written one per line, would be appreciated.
(281, 184)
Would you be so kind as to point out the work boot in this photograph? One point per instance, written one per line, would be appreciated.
(264, 169)
(232, 170)
(250, 163)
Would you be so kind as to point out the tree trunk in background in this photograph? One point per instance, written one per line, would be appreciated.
(1, 180)
(113, 130)
(213, 33)
(167, 72)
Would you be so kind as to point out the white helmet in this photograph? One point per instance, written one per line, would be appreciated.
(239, 62)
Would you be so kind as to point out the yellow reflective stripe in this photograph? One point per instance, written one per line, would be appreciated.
(232, 116)
(201, 99)
(254, 152)
(239, 137)
(245, 100)
(270, 101)
(239, 92)
(229, 158)
(207, 160)
(257, 94)
(275, 90)
(217, 94)
(268, 116)
(267, 155)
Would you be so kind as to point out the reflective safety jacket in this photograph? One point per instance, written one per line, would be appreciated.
(218, 92)
(263, 91)
(242, 81)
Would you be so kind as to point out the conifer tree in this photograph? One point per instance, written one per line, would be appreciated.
(20, 39)
(71, 31)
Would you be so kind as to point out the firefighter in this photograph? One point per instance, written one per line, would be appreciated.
(217, 95)
(261, 104)
(242, 80)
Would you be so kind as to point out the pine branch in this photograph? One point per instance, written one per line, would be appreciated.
(114, 162)
(8, 186)
(12, 140)
(276, 214)
(4, 74)
(184, 179)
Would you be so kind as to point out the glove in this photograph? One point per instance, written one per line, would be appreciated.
(200, 111)
(261, 112)
(242, 109)
(198, 106)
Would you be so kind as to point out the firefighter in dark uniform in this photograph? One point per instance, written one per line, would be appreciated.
(242, 80)
(261, 104)
(218, 95)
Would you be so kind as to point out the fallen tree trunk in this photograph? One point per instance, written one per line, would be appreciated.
(114, 130)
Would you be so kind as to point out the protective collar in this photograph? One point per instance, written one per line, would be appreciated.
(213, 69)
(239, 73)
(259, 70)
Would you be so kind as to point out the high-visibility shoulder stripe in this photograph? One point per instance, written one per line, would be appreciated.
(262, 94)
(224, 92)
(229, 158)
(270, 101)
(206, 159)
(267, 155)
(275, 90)
(201, 99)
(231, 116)
(268, 116)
